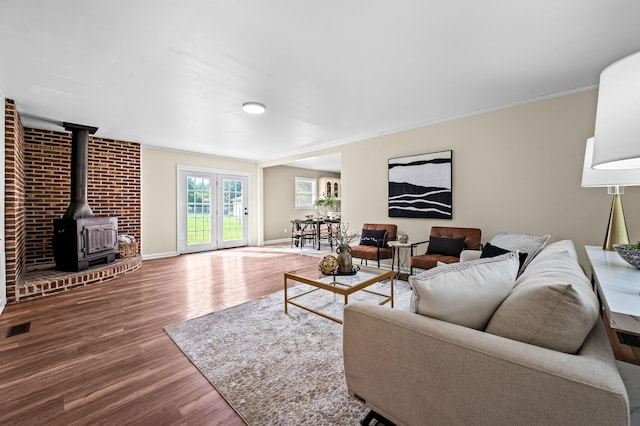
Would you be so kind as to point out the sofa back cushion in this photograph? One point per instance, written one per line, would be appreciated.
(552, 305)
(522, 243)
(464, 293)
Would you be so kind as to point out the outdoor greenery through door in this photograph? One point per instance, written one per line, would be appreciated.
(212, 211)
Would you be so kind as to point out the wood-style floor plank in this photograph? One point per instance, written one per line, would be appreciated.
(99, 355)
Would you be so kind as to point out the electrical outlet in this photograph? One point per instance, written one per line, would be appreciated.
(285, 230)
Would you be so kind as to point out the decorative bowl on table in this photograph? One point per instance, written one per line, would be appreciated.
(630, 253)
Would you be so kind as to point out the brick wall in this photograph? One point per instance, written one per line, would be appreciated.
(37, 190)
(14, 216)
(113, 187)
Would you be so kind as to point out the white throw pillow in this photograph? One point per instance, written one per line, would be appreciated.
(465, 293)
(521, 243)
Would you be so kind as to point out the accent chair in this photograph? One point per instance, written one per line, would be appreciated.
(372, 248)
(445, 245)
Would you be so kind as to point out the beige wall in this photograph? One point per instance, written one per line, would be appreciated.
(517, 169)
(279, 205)
(159, 196)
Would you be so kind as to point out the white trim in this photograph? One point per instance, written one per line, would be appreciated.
(282, 240)
(212, 171)
(159, 255)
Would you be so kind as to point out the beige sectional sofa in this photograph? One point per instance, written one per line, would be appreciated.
(543, 357)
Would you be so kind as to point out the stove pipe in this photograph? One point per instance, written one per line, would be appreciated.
(78, 206)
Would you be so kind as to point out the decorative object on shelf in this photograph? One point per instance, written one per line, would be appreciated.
(420, 186)
(630, 253)
(403, 238)
(617, 126)
(615, 181)
(328, 264)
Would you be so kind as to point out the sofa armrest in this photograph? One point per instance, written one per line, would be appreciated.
(409, 368)
(467, 255)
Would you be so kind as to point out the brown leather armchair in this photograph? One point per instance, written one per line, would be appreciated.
(466, 239)
(376, 252)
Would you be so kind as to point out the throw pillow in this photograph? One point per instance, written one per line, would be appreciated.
(373, 237)
(445, 246)
(554, 308)
(466, 293)
(489, 250)
(522, 243)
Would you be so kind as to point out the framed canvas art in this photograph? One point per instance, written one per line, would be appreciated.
(420, 186)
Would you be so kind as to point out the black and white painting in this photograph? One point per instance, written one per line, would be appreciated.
(420, 186)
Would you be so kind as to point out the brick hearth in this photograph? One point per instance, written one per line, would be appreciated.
(46, 282)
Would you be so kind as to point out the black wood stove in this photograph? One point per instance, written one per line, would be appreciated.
(79, 238)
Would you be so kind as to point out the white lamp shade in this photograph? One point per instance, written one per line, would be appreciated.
(596, 177)
(617, 132)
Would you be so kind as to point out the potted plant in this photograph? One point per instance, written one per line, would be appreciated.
(325, 203)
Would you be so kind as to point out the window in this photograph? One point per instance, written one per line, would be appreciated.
(305, 193)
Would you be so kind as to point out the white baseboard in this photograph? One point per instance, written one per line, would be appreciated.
(282, 240)
(159, 255)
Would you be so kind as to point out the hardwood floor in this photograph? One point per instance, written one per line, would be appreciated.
(99, 354)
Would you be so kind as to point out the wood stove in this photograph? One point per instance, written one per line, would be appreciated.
(79, 238)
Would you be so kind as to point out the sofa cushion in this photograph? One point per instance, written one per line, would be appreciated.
(464, 293)
(553, 248)
(373, 237)
(489, 250)
(445, 246)
(552, 306)
(522, 243)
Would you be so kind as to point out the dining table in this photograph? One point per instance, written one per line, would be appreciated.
(317, 222)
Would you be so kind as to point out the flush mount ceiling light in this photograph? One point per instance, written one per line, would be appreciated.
(254, 107)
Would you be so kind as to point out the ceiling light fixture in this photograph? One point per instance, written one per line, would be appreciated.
(253, 108)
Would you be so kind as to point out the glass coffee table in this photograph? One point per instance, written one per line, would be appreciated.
(365, 283)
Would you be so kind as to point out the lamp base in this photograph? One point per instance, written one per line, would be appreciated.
(617, 227)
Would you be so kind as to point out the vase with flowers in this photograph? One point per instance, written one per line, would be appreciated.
(342, 239)
(324, 204)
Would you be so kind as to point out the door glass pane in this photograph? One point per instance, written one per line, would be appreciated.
(198, 210)
(233, 210)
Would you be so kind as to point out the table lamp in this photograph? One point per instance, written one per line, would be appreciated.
(617, 130)
(615, 181)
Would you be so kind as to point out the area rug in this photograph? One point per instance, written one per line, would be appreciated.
(274, 368)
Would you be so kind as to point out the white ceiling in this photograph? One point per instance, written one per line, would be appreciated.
(175, 74)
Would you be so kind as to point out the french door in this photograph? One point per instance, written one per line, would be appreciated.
(212, 210)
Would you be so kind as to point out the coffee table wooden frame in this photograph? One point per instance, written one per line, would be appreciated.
(344, 289)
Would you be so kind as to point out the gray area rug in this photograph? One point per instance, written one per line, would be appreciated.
(277, 369)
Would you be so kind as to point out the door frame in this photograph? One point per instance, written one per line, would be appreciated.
(179, 204)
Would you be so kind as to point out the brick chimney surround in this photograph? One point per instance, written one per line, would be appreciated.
(37, 182)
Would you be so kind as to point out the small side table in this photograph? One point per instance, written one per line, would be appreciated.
(401, 261)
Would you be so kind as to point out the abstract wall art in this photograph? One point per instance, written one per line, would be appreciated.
(421, 186)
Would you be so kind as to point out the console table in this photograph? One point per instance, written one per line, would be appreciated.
(618, 287)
